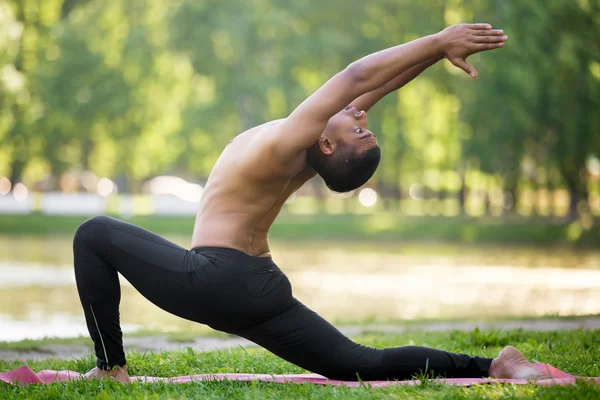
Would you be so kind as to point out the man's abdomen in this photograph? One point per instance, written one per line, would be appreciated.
(228, 231)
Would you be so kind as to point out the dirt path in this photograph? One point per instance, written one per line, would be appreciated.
(162, 343)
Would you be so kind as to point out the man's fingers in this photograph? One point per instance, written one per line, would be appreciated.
(488, 32)
(479, 26)
(490, 39)
(489, 46)
(462, 64)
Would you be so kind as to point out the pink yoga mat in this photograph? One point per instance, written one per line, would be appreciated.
(25, 376)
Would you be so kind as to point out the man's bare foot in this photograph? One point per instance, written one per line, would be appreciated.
(118, 374)
(512, 364)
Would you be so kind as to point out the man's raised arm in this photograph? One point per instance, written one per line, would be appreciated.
(368, 100)
(304, 125)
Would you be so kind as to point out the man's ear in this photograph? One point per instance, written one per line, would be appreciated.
(326, 145)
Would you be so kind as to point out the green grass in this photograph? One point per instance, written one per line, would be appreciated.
(376, 227)
(574, 351)
(422, 323)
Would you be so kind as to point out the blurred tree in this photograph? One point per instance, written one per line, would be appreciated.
(11, 81)
(535, 99)
(28, 22)
(138, 88)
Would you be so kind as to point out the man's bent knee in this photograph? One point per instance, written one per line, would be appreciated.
(92, 230)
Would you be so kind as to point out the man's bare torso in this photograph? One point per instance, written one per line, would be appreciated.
(245, 192)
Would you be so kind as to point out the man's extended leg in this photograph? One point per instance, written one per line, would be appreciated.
(159, 269)
(301, 336)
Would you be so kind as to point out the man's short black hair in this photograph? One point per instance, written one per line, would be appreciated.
(345, 169)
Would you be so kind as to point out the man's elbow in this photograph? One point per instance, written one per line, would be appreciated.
(356, 72)
(358, 76)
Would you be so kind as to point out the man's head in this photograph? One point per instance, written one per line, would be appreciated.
(346, 154)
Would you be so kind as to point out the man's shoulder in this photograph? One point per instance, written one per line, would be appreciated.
(262, 147)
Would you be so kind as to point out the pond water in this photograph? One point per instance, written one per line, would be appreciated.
(344, 282)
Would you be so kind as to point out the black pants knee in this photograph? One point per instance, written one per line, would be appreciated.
(233, 292)
(223, 288)
(156, 267)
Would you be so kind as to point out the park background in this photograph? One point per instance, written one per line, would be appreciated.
(102, 97)
(486, 204)
(480, 228)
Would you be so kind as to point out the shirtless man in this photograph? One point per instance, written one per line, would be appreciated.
(228, 279)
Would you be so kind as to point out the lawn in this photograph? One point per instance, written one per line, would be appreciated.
(375, 227)
(576, 352)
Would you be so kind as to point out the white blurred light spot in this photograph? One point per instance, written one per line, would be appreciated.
(5, 186)
(13, 80)
(20, 192)
(416, 191)
(367, 197)
(192, 192)
(105, 187)
(593, 165)
(89, 180)
(15, 30)
(497, 196)
(178, 187)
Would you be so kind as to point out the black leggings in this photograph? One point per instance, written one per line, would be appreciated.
(232, 292)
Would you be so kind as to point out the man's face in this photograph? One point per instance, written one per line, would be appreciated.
(349, 127)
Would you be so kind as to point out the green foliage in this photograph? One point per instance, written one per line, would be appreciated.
(135, 89)
(534, 100)
(565, 350)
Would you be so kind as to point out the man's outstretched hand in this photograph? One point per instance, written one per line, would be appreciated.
(460, 41)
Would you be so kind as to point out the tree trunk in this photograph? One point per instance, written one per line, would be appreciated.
(574, 201)
(16, 171)
(577, 192)
(461, 196)
(510, 196)
(319, 194)
(388, 195)
(87, 145)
